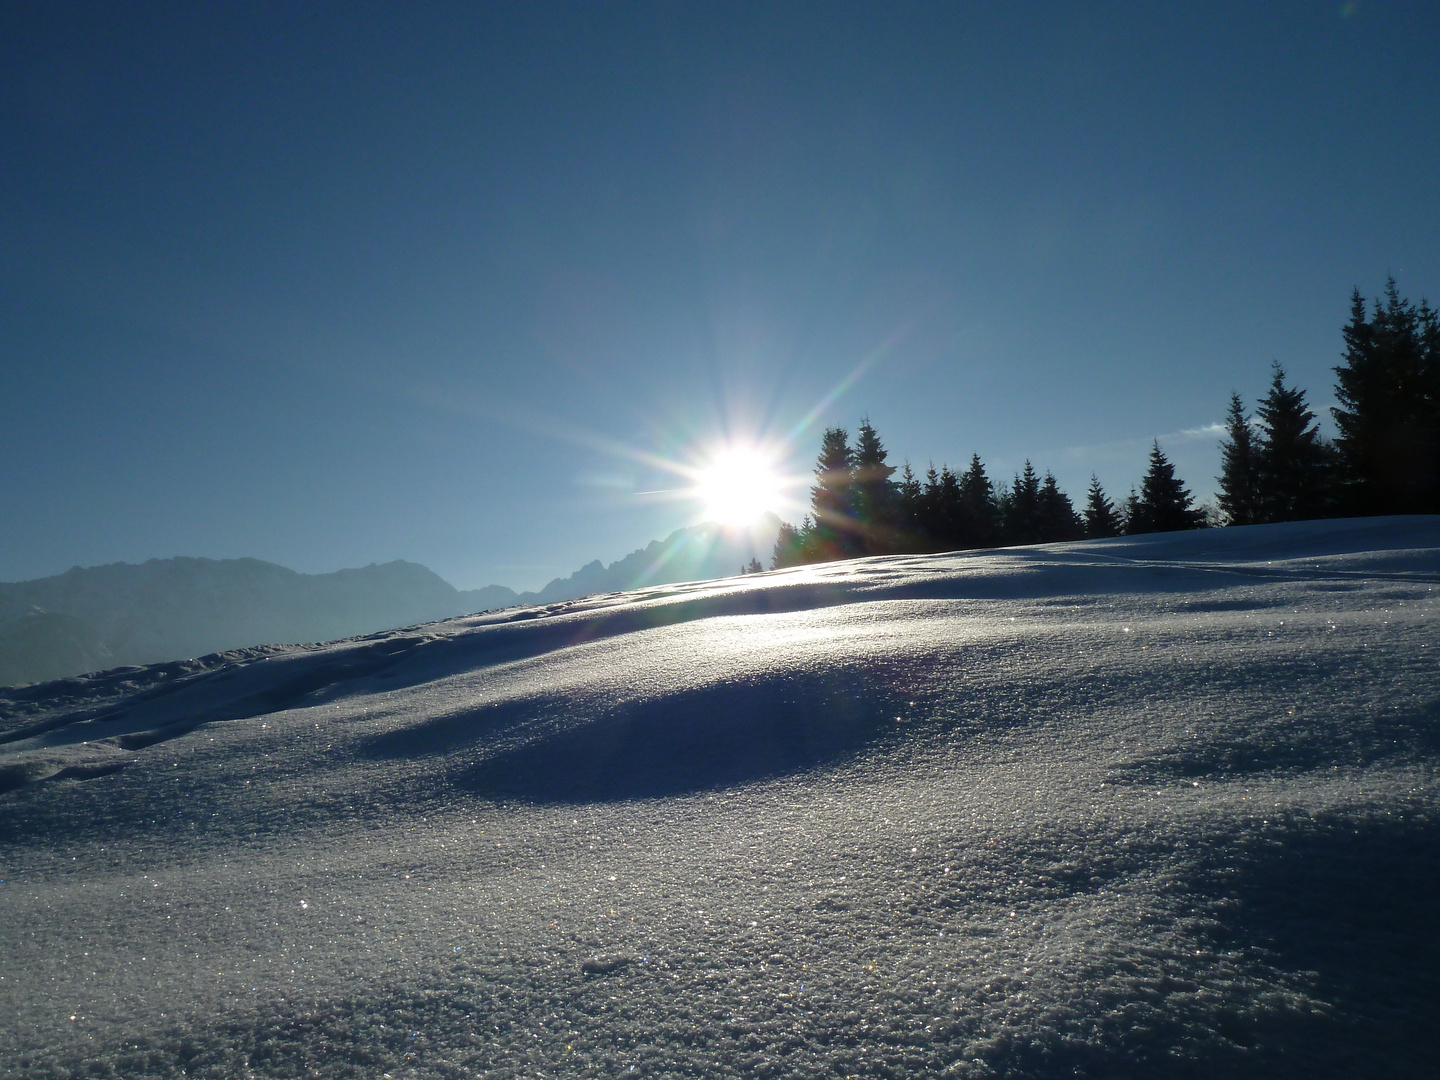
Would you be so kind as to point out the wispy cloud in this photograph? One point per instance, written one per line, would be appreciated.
(1126, 447)
(1209, 431)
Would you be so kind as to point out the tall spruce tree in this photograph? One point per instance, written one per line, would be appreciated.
(978, 512)
(1129, 512)
(1164, 503)
(1020, 509)
(1239, 481)
(789, 545)
(1388, 416)
(1056, 515)
(907, 496)
(1101, 519)
(950, 525)
(941, 509)
(1291, 461)
(931, 512)
(834, 535)
(873, 494)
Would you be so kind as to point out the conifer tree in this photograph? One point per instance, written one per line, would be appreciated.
(789, 545)
(977, 505)
(1101, 519)
(1130, 512)
(949, 526)
(1291, 461)
(834, 534)
(1239, 481)
(908, 500)
(873, 494)
(1388, 389)
(1021, 508)
(1164, 504)
(1055, 514)
(928, 513)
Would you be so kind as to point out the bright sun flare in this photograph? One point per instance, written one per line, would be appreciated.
(738, 486)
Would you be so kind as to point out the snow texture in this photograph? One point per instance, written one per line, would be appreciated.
(1149, 806)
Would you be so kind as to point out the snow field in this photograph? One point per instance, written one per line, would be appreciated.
(1130, 808)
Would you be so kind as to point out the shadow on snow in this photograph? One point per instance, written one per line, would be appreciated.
(711, 737)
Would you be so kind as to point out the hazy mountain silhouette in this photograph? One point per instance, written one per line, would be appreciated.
(166, 609)
(697, 553)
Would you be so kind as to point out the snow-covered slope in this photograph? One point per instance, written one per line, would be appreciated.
(1150, 806)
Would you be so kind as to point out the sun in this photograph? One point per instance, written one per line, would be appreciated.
(737, 486)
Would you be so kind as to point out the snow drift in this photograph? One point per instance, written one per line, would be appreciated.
(1156, 805)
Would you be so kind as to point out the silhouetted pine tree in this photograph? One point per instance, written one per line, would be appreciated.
(1056, 515)
(1239, 480)
(813, 546)
(907, 510)
(1164, 504)
(1101, 519)
(1129, 511)
(873, 495)
(1020, 508)
(789, 545)
(1291, 460)
(978, 512)
(1388, 418)
(949, 525)
(932, 513)
(834, 535)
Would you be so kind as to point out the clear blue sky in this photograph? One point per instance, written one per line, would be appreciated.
(328, 284)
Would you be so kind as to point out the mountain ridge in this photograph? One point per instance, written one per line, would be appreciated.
(123, 614)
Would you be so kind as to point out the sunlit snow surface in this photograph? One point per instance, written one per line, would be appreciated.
(1160, 806)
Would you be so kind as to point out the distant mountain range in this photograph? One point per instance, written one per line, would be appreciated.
(89, 619)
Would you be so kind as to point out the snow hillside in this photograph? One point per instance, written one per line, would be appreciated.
(1150, 806)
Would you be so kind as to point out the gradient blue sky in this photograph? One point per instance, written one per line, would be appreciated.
(328, 284)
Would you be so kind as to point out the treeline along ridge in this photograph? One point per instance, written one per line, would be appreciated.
(1275, 465)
